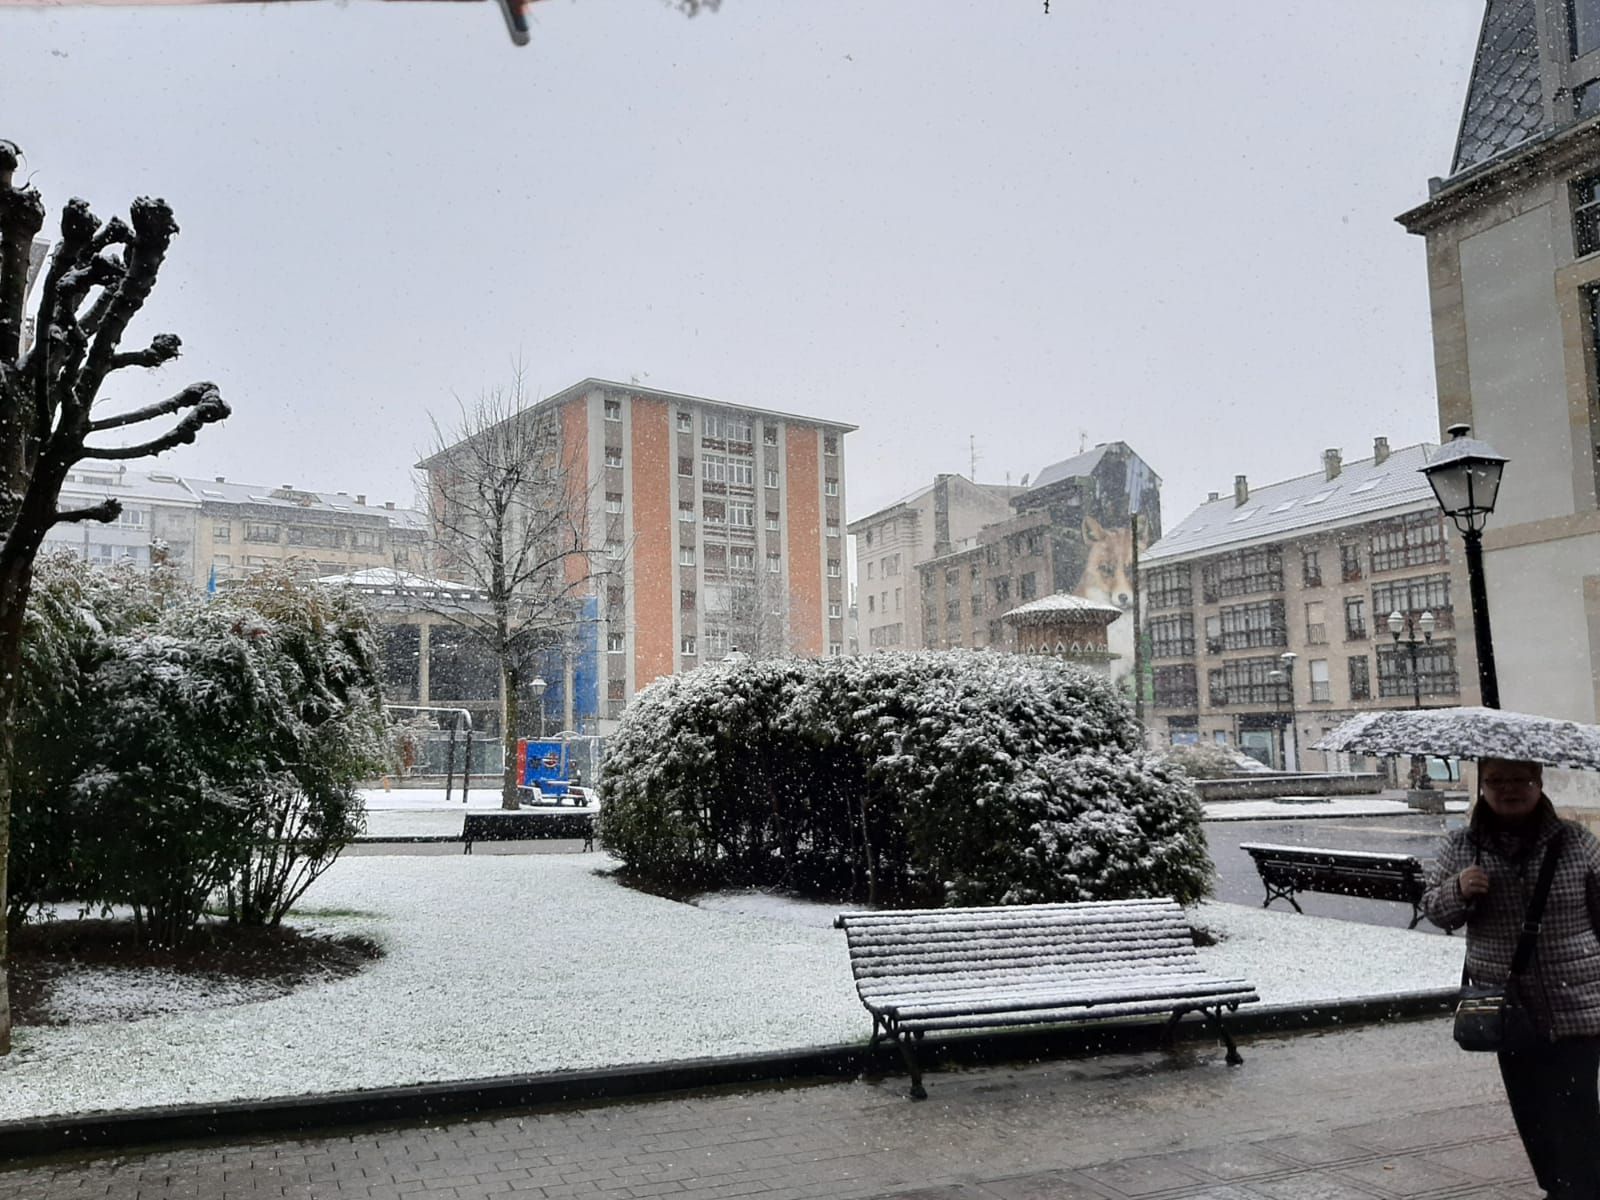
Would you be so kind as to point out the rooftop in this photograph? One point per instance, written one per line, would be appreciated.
(97, 479)
(1362, 490)
(1062, 605)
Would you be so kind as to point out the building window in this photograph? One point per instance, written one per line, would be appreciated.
(1321, 688)
(222, 532)
(1002, 589)
(771, 477)
(1247, 626)
(775, 564)
(616, 689)
(742, 516)
(835, 609)
(686, 511)
(833, 529)
(1242, 573)
(830, 487)
(616, 643)
(1168, 587)
(891, 565)
(830, 443)
(869, 570)
(613, 502)
(1586, 99)
(686, 556)
(769, 435)
(613, 410)
(1172, 636)
(1176, 686)
(686, 644)
(897, 599)
(716, 512)
(222, 560)
(1428, 593)
(1027, 586)
(1583, 26)
(686, 601)
(613, 456)
(685, 423)
(1355, 619)
(872, 603)
(1316, 623)
(772, 522)
(1360, 678)
(613, 550)
(741, 472)
(1245, 681)
(254, 532)
(1436, 670)
(835, 649)
(716, 642)
(1350, 562)
(742, 558)
(833, 568)
(714, 468)
(952, 609)
(686, 466)
(1586, 215)
(728, 427)
(1310, 568)
(1413, 540)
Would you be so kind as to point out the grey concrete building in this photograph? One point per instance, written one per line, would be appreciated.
(892, 542)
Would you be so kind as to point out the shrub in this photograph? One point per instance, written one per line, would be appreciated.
(912, 778)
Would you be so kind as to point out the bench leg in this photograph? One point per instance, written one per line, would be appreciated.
(467, 848)
(1213, 1016)
(917, 1091)
(1282, 894)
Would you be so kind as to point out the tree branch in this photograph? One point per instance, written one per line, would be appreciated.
(163, 348)
(208, 407)
(106, 510)
(195, 393)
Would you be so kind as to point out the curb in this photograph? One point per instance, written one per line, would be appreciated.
(41, 1137)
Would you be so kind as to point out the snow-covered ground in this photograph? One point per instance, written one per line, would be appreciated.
(1289, 807)
(508, 964)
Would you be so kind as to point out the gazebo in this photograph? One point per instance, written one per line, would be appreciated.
(1065, 626)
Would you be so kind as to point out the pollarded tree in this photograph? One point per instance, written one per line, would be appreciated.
(508, 515)
(97, 281)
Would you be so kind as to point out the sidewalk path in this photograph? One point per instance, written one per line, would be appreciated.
(1391, 1111)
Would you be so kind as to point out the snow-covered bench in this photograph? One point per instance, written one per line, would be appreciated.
(929, 970)
(1286, 870)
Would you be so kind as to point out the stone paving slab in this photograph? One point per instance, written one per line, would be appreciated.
(1386, 1112)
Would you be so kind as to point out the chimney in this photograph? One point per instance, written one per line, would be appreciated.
(1241, 491)
(1213, 496)
(361, 498)
(388, 503)
(222, 479)
(1380, 451)
(1331, 463)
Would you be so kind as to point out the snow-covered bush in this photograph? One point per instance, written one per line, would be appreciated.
(908, 778)
(1208, 762)
(174, 748)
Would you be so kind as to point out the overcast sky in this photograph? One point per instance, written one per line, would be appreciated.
(1166, 223)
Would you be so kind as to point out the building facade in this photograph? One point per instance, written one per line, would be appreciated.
(1513, 260)
(719, 526)
(1311, 567)
(1070, 533)
(892, 542)
(215, 529)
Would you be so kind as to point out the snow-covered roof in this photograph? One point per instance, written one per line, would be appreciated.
(1071, 468)
(1361, 491)
(390, 579)
(223, 491)
(1062, 606)
(111, 479)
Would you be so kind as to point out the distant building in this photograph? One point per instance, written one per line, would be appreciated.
(1311, 566)
(892, 542)
(721, 525)
(1070, 534)
(223, 530)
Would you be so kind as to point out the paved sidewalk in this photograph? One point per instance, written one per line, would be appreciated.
(1389, 1111)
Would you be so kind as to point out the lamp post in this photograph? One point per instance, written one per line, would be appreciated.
(537, 686)
(1418, 631)
(1465, 475)
(1285, 677)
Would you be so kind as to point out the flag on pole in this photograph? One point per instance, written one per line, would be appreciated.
(211, 582)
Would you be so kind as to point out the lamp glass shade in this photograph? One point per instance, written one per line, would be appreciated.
(536, 686)
(1426, 623)
(1467, 486)
(1396, 623)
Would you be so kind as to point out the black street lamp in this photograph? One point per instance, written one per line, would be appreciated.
(537, 686)
(1285, 677)
(1465, 474)
(1418, 631)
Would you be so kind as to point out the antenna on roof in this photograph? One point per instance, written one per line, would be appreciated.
(1083, 440)
(972, 457)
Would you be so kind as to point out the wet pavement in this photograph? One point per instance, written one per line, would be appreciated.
(1390, 1111)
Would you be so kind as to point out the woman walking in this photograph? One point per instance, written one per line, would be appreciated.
(1484, 878)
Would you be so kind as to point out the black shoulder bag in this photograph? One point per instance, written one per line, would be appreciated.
(1487, 1017)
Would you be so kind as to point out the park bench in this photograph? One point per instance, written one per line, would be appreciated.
(931, 970)
(522, 825)
(1286, 870)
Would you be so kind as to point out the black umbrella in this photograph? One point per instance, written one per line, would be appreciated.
(1469, 733)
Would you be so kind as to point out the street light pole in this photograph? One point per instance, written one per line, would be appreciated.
(1404, 623)
(1287, 659)
(1465, 476)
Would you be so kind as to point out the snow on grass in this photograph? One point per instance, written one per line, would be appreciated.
(503, 965)
(93, 993)
(425, 812)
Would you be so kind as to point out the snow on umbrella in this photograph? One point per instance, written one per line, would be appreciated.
(1469, 733)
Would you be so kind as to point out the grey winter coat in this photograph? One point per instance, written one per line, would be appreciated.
(1561, 986)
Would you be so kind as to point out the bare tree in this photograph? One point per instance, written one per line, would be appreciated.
(754, 610)
(508, 507)
(97, 282)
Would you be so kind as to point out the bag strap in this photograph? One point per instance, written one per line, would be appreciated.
(1533, 919)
